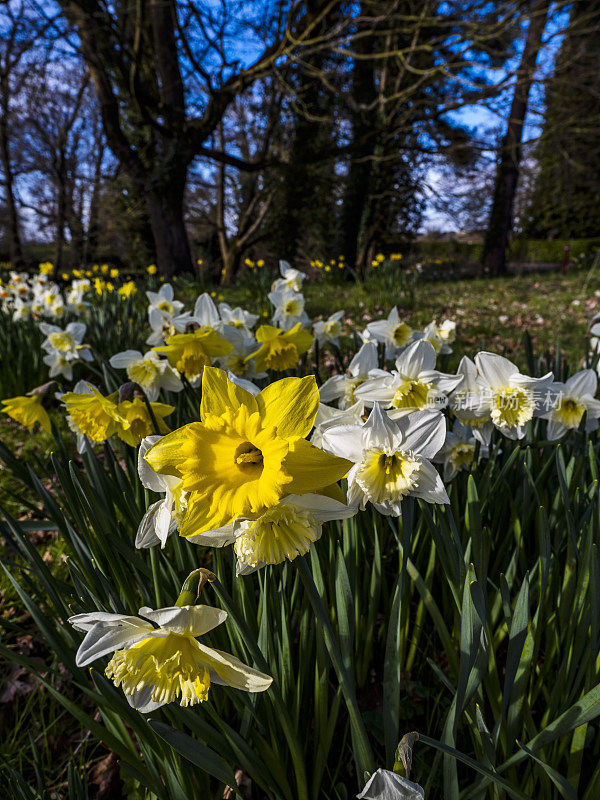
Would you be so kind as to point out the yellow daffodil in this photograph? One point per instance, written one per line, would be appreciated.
(151, 269)
(128, 289)
(280, 349)
(247, 452)
(94, 415)
(138, 422)
(114, 273)
(189, 353)
(27, 411)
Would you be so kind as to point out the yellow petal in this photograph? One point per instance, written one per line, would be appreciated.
(167, 454)
(290, 405)
(335, 492)
(219, 394)
(267, 332)
(313, 469)
(300, 337)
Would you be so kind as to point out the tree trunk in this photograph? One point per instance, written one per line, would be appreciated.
(165, 206)
(507, 175)
(14, 238)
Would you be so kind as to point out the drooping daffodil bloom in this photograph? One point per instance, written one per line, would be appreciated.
(248, 451)
(386, 785)
(289, 309)
(150, 371)
(328, 331)
(240, 361)
(414, 384)
(469, 403)
(511, 399)
(27, 411)
(158, 658)
(59, 365)
(279, 349)
(278, 534)
(138, 422)
(458, 451)
(392, 459)
(570, 401)
(431, 334)
(362, 367)
(393, 332)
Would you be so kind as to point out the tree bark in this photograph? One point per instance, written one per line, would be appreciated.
(14, 237)
(507, 174)
(165, 207)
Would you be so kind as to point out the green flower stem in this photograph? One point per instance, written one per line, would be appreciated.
(363, 754)
(273, 692)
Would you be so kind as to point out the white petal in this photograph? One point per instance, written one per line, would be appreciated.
(495, 370)
(584, 382)
(105, 637)
(146, 535)
(124, 359)
(345, 441)
(142, 700)
(418, 357)
(364, 361)
(149, 478)
(191, 620)
(423, 432)
(386, 785)
(218, 537)
(379, 429)
(230, 671)
(321, 507)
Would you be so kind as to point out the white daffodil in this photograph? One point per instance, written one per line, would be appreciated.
(238, 318)
(290, 278)
(447, 331)
(163, 301)
(278, 534)
(59, 365)
(570, 401)
(469, 403)
(512, 399)
(162, 518)
(391, 458)
(414, 384)
(432, 335)
(162, 326)
(393, 332)
(289, 309)
(386, 785)
(329, 330)
(362, 367)
(327, 417)
(67, 342)
(150, 371)
(457, 452)
(158, 658)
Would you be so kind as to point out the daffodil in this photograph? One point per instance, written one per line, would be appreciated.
(343, 387)
(329, 330)
(247, 452)
(189, 353)
(27, 411)
(570, 401)
(150, 371)
(138, 423)
(158, 658)
(414, 384)
(290, 278)
(289, 308)
(280, 350)
(67, 342)
(457, 452)
(128, 289)
(243, 321)
(92, 414)
(163, 301)
(393, 332)
(470, 402)
(162, 518)
(392, 459)
(280, 533)
(511, 399)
